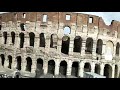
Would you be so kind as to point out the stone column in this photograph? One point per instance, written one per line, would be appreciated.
(6, 62)
(92, 67)
(14, 63)
(33, 67)
(26, 41)
(9, 39)
(81, 69)
(47, 43)
(71, 45)
(36, 44)
(94, 49)
(17, 41)
(57, 66)
(59, 45)
(83, 47)
(114, 51)
(69, 68)
(23, 63)
(103, 49)
(102, 69)
(45, 66)
(113, 71)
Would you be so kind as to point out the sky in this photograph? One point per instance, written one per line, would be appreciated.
(107, 16)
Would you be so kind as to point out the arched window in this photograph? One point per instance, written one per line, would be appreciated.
(89, 46)
(13, 37)
(77, 44)
(65, 45)
(67, 30)
(53, 41)
(22, 26)
(21, 40)
(63, 68)
(117, 49)
(42, 40)
(99, 47)
(87, 67)
(29, 64)
(19, 60)
(5, 37)
(108, 71)
(51, 67)
(75, 68)
(32, 37)
(10, 61)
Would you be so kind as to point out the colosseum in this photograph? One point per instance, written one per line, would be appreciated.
(59, 43)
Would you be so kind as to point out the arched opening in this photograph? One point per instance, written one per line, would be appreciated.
(109, 50)
(97, 68)
(77, 44)
(5, 37)
(10, 61)
(116, 71)
(2, 59)
(21, 40)
(42, 40)
(99, 47)
(53, 41)
(19, 63)
(87, 67)
(51, 67)
(63, 68)
(65, 45)
(75, 67)
(67, 30)
(108, 71)
(117, 49)
(22, 26)
(13, 37)
(32, 37)
(40, 65)
(89, 46)
(29, 64)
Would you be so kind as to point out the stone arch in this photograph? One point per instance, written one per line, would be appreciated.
(29, 64)
(99, 47)
(65, 44)
(21, 35)
(89, 46)
(10, 61)
(87, 67)
(77, 44)
(117, 48)
(19, 60)
(116, 71)
(75, 68)
(40, 65)
(5, 37)
(22, 26)
(13, 37)
(2, 59)
(32, 38)
(109, 50)
(108, 71)
(51, 67)
(42, 40)
(67, 30)
(63, 68)
(97, 68)
(53, 41)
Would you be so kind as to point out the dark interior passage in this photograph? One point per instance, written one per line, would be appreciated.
(42, 40)
(32, 37)
(51, 67)
(10, 61)
(63, 68)
(75, 67)
(19, 63)
(29, 64)
(21, 40)
(13, 37)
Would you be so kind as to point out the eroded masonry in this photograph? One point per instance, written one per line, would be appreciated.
(59, 43)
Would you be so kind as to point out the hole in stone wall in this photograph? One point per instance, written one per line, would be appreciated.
(21, 40)
(68, 17)
(45, 18)
(29, 64)
(99, 47)
(18, 63)
(5, 37)
(32, 37)
(89, 46)
(51, 67)
(108, 71)
(2, 59)
(42, 40)
(65, 45)
(75, 68)
(13, 37)
(67, 30)
(22, 26)
(63, 68)
(90, 19)
(10, 61)
(53, 41)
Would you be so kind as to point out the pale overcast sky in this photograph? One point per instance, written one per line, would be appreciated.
(107, 16)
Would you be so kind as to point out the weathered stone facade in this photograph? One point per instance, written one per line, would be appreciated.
(28, 43)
